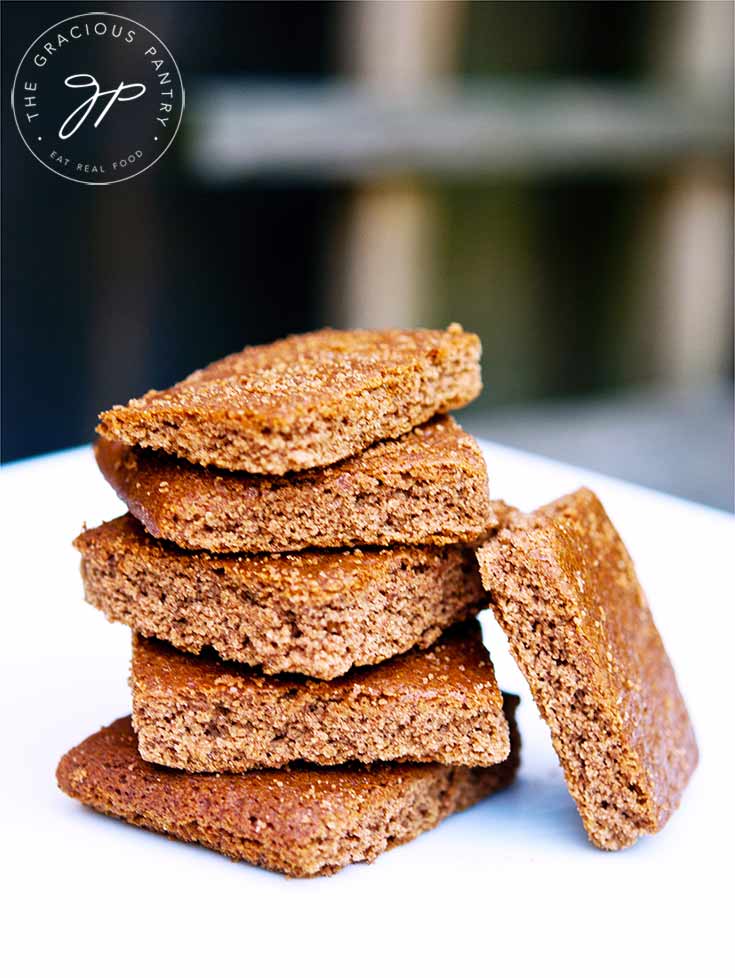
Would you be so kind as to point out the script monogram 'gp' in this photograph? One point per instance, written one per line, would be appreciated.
(123, 93)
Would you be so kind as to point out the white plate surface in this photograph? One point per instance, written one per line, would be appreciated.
(511, 884)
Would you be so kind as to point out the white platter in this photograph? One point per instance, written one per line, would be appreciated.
(511, 884)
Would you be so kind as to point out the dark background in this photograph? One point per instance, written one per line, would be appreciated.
(109, 291)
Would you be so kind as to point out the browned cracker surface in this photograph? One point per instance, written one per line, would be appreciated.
(317, 613)
(440, 705)
(304, 401)
(302, 822)
(564, 589)
(427, 487)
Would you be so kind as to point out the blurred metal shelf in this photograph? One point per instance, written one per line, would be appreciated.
(340, 130)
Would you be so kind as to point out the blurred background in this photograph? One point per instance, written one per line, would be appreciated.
(557, 177)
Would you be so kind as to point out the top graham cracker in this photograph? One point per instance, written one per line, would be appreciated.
(306, 401)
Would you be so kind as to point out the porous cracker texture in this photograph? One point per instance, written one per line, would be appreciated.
(301, 822)
(429, 486)
(308, 400)
(564, 589)
(200, 714)
(317, 613)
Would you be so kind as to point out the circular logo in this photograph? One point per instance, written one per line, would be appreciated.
(98, 98)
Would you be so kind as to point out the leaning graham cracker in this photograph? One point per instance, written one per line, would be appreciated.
(427, 487)
(304, 401)
(317, 613)
(301, 822)
(441, 705)
(565, 591)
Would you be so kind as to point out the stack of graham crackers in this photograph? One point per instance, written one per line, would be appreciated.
(301, 519)
(310, 536)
